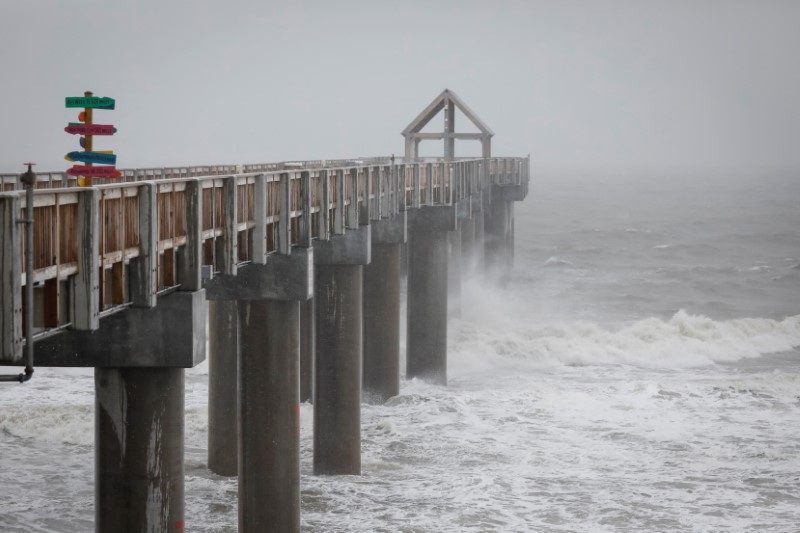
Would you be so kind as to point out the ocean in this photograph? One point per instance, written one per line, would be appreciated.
(640, 372)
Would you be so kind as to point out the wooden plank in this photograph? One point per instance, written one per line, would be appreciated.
(416, 195)
(285, 225)
(260, 248)
(324, 218)
(10, 276)
(86, 282)
(304, 223)
(52, 300)
(144, 268)
(340, 209)
(364, 211)
(169, 267)
(229, 256)
(117, 283)
(190, 256)
(352, 211)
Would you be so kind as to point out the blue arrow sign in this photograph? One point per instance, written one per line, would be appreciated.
(92, 157)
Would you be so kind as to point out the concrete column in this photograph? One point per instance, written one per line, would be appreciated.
(269, 416)
(381, 378)
(479, 246)
(426, 345)
(497, 240)
(307, 341)
(454, 267)
(223, 360)
(139, 449)
(467, 228)
(337, 377)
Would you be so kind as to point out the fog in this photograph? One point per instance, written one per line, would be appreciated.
(708, 86)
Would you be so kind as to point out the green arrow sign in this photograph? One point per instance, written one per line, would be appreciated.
(95, 102)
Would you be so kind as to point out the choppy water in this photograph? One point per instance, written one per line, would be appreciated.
(640, 373)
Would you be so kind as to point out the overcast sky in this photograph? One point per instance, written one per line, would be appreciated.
(690, 85)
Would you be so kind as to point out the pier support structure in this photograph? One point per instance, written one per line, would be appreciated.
(338, 282)
(381, 372)
(223, 375)
(426, 344)
(267, 296)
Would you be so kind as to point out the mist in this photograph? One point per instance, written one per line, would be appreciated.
(583, 86)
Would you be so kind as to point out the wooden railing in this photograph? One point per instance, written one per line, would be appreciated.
(152, 222)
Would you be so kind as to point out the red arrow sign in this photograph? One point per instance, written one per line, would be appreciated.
(91, 129)
(94, 172)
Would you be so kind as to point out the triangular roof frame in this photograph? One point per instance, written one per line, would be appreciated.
(437, 105)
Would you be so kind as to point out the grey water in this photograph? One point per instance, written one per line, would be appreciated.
(640, 372)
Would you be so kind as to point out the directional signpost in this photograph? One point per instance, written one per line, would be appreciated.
(88, 130)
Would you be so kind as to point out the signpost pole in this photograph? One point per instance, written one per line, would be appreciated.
(87, 116)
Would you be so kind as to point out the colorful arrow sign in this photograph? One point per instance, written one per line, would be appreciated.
(94, 102)
(90, 129)
(103, 158)
(94, 172)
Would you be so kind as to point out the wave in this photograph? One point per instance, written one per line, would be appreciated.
(685, 340)
(555, 262)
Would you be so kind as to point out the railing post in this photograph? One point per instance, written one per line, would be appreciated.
(190, 259)
(86, 294)
(260, 222)
(304, 224)
(285, 223)
(144, 269)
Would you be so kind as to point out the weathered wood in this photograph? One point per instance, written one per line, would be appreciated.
(416, 194)
(285, 223)
(10, 281)
(52, 303)
(190, 258)
(352, 212)
(229, 257)
(304, 223)
(144, 268)
(117, 284)
(323, 230)
(364, 212)
(168, 271)
(260, 245)
(86, 283)
(340, 210)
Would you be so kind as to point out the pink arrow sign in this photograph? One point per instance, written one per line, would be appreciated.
(94, 172)
(91, 129)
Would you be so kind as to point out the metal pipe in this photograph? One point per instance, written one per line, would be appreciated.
(29, 180)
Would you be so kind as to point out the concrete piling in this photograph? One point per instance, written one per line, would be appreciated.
(381, 375)
(139, 429)
(337, 391)
(307, 343)
(454, 270)
(223, 361)
(269, 415)
(426, 344)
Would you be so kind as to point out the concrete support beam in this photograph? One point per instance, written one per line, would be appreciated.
(283, 277)
(426, 344)
(498, 237)
(337, 370)
(381, 372)
(454, 267)
(467, 247)
(223, 361)
(269, 416)
(139, 429)
(307, 343)
(171, 334)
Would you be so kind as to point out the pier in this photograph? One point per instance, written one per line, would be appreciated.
(292, 271)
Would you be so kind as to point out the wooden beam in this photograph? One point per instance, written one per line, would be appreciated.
(86, 282)
(190, 258)
(144, 268)
(10, 281)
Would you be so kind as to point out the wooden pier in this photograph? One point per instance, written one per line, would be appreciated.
(298, 261)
